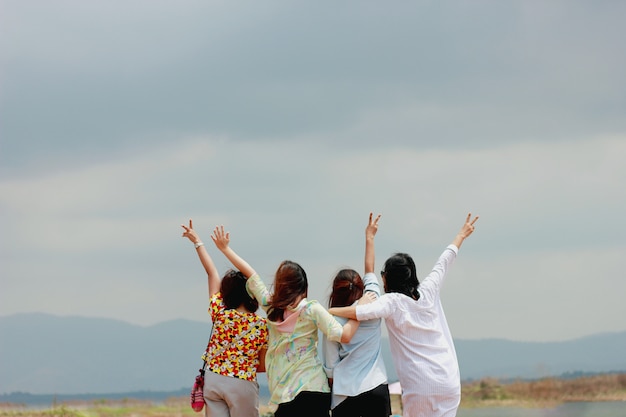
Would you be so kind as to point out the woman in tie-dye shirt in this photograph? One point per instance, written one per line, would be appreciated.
(296, 378)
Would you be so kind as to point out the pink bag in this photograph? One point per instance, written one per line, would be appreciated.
(197, 397)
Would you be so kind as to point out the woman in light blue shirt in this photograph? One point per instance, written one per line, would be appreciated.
(356, 369)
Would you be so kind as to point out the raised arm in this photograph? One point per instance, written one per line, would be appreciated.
(465, 231)
(370, 232)
(213, 277)
(222, 241)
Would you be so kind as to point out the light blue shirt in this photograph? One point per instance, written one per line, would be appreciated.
(358, 366)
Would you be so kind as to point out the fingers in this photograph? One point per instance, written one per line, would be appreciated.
(469, 216)
(187, 228)
(219, 233)
(375, 222)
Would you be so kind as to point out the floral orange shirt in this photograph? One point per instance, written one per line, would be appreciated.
(228, 357)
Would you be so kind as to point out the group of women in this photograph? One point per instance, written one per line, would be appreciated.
(352, 379)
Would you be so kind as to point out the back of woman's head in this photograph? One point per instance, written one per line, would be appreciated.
(347, 288)
(400, 275)
(289, 283)
(234, 293)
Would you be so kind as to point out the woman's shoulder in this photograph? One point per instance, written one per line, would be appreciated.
(313, 308)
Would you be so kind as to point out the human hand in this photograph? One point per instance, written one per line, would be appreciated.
(468, 227)
(220, 238)
(372, 227)
(367, 298)
(189, 233)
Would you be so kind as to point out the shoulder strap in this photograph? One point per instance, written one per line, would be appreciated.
(205, 356)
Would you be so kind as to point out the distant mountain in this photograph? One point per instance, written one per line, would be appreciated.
(46, 354)
(507, 359)
(42, 353)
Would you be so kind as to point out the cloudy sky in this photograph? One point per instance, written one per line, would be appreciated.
(288, 122)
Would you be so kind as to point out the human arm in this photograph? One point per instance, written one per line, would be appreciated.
(348, 331)
(330, 356)
(348, 312)
(430, 286)
(370, 232)
(222, 241)
(261, 367)
(208, 264)
(465, 231)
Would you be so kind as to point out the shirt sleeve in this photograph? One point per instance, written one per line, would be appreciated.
(430, 286)
(325, 322)
(217, 305)
(371, 283)
(259, 291)
(330, 354)
(381, 308)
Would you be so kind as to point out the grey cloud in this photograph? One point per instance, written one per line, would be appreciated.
(122, 77)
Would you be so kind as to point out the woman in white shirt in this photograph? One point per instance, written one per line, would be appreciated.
(421, 344)
(356, 369)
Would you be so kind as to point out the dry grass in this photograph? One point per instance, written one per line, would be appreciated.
(483, 393)
(545, 391)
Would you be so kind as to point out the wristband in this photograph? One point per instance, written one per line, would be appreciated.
(197, 245)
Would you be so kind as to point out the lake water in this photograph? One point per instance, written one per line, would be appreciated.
(582, 409)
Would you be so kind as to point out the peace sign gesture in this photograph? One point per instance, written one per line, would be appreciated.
(466, 230)
(372, 227)
(468, 227)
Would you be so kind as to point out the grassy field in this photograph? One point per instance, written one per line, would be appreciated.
(483, 393)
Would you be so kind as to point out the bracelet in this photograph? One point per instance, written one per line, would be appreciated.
(197, 245)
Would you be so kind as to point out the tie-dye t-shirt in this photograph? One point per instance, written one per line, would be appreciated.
(292, 363)
(241, 358)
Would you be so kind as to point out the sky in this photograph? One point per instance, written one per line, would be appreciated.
(288, 123)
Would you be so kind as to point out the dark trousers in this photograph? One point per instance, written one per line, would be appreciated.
(306, 403)
(373, 403)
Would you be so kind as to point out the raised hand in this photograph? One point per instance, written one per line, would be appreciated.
(220, 238)
(189, 233)
(468, 227)
(372, 227)
(370, 232)
(466, 230)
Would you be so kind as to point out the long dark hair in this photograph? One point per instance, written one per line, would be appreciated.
(400, 275)
(289, 283)
(234, 293)
(347, 288)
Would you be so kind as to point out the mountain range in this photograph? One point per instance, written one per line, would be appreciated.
(48, 354)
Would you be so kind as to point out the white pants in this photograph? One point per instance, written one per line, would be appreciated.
(420, 405)
(227, 396)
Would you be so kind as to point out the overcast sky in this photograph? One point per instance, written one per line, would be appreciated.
(288, 122)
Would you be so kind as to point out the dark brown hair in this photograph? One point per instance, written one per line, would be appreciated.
(234, 293)
(289, 283)
(400, 275)
(347, 288)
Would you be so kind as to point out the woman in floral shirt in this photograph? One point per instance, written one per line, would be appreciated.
(236, 350)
